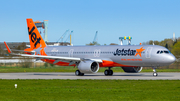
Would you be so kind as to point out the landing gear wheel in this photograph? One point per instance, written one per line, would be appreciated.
(82, 74)
(110, 72)
(78, 73)
(155, 74)
(106, 72)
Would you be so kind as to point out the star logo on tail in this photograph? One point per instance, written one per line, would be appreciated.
(139, 51)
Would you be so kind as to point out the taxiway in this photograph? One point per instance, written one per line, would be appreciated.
(63, 75)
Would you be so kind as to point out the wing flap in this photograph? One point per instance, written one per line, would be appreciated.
(52, 57)
(58, 58)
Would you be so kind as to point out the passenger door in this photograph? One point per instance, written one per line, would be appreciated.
(148, 52)
(71, 52)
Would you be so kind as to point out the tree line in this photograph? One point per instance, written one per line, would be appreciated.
(172, 45)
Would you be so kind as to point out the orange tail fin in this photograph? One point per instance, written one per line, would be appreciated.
(35, 38)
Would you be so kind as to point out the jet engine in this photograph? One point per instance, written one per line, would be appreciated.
(132, 69)
(88, 66)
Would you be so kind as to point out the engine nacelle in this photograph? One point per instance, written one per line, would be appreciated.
(88, 66)
(132, 69)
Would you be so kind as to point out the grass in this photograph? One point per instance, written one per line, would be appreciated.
(90, 90)
(7, 69)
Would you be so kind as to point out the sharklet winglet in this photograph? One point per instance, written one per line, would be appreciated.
(9, 50)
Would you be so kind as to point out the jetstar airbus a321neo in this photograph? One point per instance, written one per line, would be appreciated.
(88, 59)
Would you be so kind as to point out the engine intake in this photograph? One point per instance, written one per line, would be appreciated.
(132, 69)
(88, 67)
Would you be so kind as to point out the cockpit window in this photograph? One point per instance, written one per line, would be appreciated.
(166, 51)
(158, 52)
(163, 51)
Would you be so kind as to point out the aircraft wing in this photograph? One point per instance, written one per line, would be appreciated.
(72, 60)
(59, 58)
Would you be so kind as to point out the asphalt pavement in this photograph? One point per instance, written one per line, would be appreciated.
(67, 75)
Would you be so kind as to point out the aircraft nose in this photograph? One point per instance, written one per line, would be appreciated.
(171, 59)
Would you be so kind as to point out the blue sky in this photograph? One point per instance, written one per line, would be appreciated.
(144, 20)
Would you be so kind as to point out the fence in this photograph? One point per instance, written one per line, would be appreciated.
(20, 62)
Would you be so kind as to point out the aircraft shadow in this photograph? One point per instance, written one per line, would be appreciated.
(44, 74)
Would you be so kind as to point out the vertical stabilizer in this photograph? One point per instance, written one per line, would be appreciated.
(35, 38)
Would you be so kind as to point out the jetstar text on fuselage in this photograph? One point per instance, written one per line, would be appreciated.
(124, 52)
(128, 52)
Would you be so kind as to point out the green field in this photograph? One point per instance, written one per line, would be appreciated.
(9, 69)
(90, 90)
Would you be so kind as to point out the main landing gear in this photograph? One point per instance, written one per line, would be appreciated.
(78, 73)
(154, 70)
(108, 72)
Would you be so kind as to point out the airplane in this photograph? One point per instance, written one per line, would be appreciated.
(88, 59)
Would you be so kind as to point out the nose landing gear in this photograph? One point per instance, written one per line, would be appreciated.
(155, 73)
